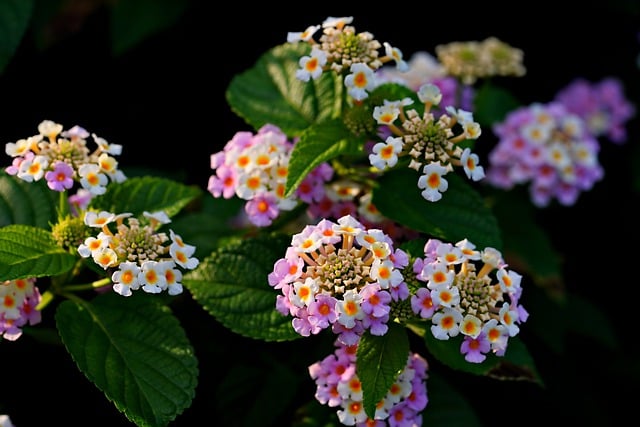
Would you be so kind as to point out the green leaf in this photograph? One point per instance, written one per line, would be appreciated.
(461, 213)
(319, 144)
(414, 247)
(380, 359)
(392, 92)
(527, 246)
(135, 351)
(492, 104)
(133, 21)
(270, 93)
(447, 406)
(206, 227)
(256, 394)
(27, 251)
(232, 286)
(14, 21)
(30, 203)
(550, 328)
(448, 352)
(151, 194)
(516, 364)
(590, 321)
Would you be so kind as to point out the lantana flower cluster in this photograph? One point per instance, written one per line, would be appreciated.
(18, 301)
(63, 158)
(548, 148)
(254, 167)
(602, 105)
(349, 53)
(469, 292)
(473, 60)
(338, 385)
(136, 254)
(429, 141)
(342, 276)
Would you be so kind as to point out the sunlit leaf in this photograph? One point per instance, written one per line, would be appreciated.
(27, 251)
(30, 203)
(151, 194)
(380, 359)
(135, 351)
(270, 92)
(232, 286)
(319, 144)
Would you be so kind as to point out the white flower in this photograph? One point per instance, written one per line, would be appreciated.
(361, 80)
(470, 164)
(432, 182)
(311, 66)
(385, 154)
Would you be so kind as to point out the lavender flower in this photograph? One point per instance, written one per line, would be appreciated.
(338, 385)
(602, 105)
(549, 148)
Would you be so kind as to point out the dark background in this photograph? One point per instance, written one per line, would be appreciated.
(164, 101)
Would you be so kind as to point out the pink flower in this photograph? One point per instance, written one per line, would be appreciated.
(61, 177)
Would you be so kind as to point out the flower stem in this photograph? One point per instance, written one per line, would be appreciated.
(63, 205)
(84, 286)
(47, 297)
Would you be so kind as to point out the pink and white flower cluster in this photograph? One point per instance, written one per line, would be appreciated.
(338, 385)
(469, 292)
(18, 301)
(340, 275)
(63, 158)
(254, 167)
(550, 149)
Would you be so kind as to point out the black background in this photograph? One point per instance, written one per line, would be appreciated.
(164, 102)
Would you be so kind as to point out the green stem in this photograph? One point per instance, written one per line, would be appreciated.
(47, 297)
(85, 286)
(73, 297)
(63, 205)
(66, 291)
